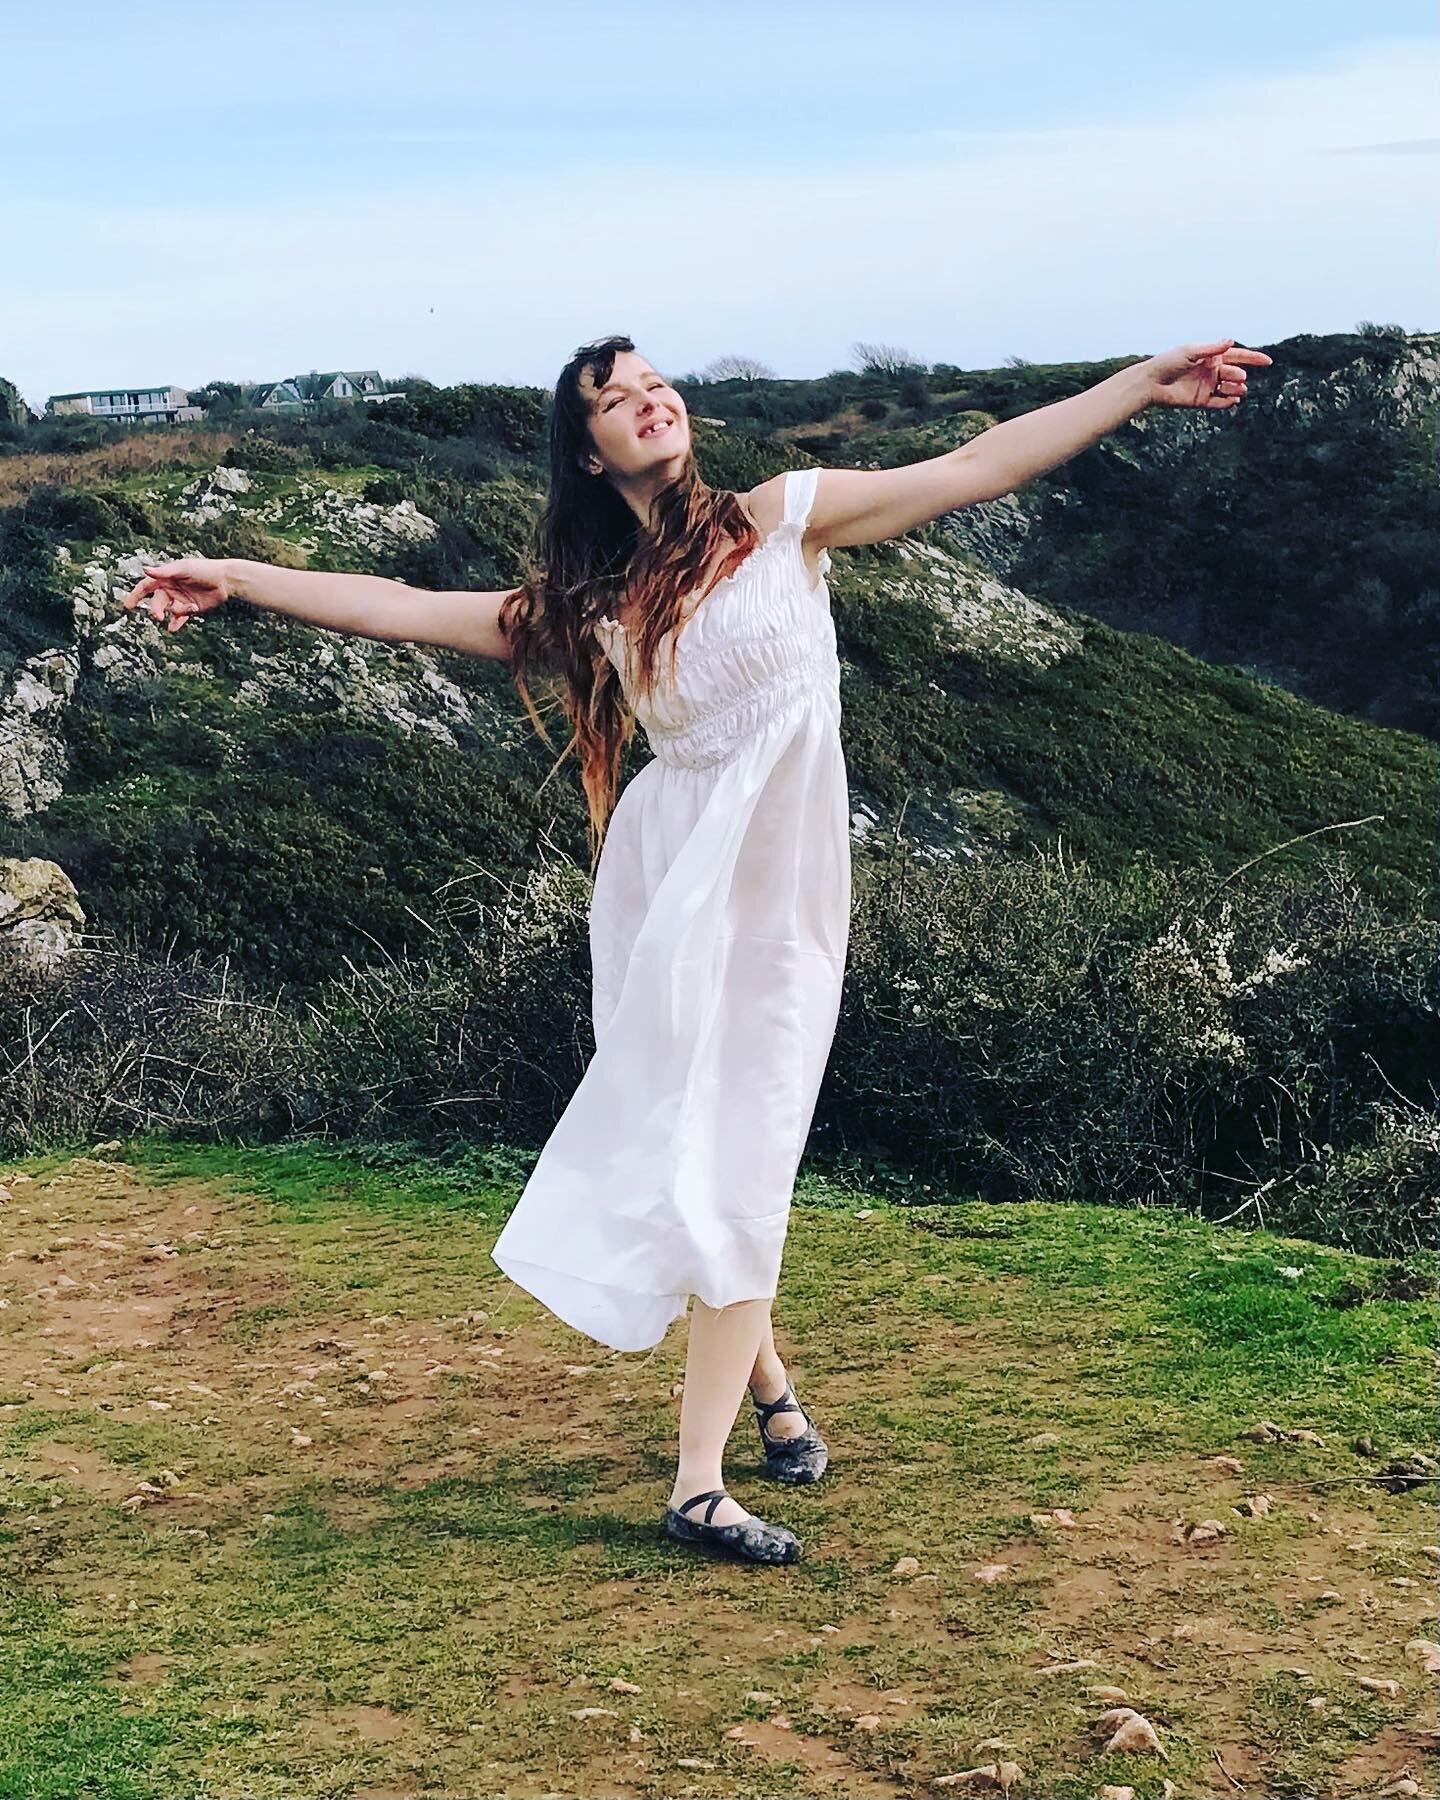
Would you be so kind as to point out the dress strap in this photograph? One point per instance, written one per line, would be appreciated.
(800, 486)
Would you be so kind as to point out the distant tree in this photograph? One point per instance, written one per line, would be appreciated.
(1018, 362)
(1368, 328)
(13, 410)
(914, 391)
(217, 397)
(737, 368)
(887, 359)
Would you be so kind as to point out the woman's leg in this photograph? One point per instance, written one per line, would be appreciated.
(724, 1345)
(768, 1380)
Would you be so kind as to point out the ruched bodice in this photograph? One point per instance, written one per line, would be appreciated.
(762, 640)
(719, 927)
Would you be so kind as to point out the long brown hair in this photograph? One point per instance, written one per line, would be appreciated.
(589, 552)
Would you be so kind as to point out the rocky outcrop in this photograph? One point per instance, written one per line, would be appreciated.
(371, 682)
(378, 689)
(40, 913)
(33, 758)
(213, 493)
(328, 515)
(1395, 382)
(981, 614)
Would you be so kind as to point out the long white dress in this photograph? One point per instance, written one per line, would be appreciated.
(719, 924)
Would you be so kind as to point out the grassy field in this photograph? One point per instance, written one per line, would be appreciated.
(302, 1498)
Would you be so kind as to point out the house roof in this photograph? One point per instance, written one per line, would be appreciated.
(310, 385)
(151, 387)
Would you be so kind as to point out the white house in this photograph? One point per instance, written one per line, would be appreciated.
(128, 403)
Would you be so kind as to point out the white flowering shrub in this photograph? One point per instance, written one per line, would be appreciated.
(1026, 1029)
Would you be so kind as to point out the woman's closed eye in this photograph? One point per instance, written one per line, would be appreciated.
(611, 405)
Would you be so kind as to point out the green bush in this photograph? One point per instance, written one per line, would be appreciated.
(514, 418)
(1017, 1029)
(265, 454)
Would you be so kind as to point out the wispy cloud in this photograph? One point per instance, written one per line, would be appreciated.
(1406, 147)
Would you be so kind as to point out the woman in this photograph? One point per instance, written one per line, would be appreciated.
(720, 908)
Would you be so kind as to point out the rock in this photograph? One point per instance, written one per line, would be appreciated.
(1403, 1473)
(1376, 1684)
(907, 1565)
(33, 759)
(998, 1777)
(40, 912)
(1228, 1465)
(1129, 1731)
(1256, 1506)
(990, 1573)
(1426, 1653)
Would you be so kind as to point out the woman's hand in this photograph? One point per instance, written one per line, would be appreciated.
(1207, 375)
(195, 584)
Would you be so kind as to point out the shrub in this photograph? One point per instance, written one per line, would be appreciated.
(266, 454)
(233, 534)
(1020, 1029)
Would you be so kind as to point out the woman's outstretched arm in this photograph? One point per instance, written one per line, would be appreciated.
(865, 506)
(364, 605)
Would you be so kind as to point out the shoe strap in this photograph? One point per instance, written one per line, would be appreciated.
(788, 1402)
(713, 1495)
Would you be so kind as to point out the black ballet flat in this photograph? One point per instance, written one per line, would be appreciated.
(754, 1539)
(793, 1460)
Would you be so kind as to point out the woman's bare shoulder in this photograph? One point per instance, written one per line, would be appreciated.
(765, 503)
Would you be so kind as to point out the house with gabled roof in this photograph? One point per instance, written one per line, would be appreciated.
(309, 390)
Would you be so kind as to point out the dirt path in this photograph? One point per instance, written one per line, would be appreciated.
(263, 1534)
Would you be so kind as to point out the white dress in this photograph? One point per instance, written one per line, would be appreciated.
(719, 923)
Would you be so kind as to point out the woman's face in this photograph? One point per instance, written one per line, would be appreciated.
(638, 422)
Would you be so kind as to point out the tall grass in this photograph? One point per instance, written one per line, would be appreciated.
(140, 452)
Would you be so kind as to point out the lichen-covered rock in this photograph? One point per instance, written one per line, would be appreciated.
(40, 912)
(211, 494)
(983, 614)
(369, 681)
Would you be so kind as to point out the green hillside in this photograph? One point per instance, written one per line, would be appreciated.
(979, 719)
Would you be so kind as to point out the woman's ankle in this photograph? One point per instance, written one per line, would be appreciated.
(686, 1484)
(768, 1382)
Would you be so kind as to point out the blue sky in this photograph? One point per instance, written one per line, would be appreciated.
(467, 192)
